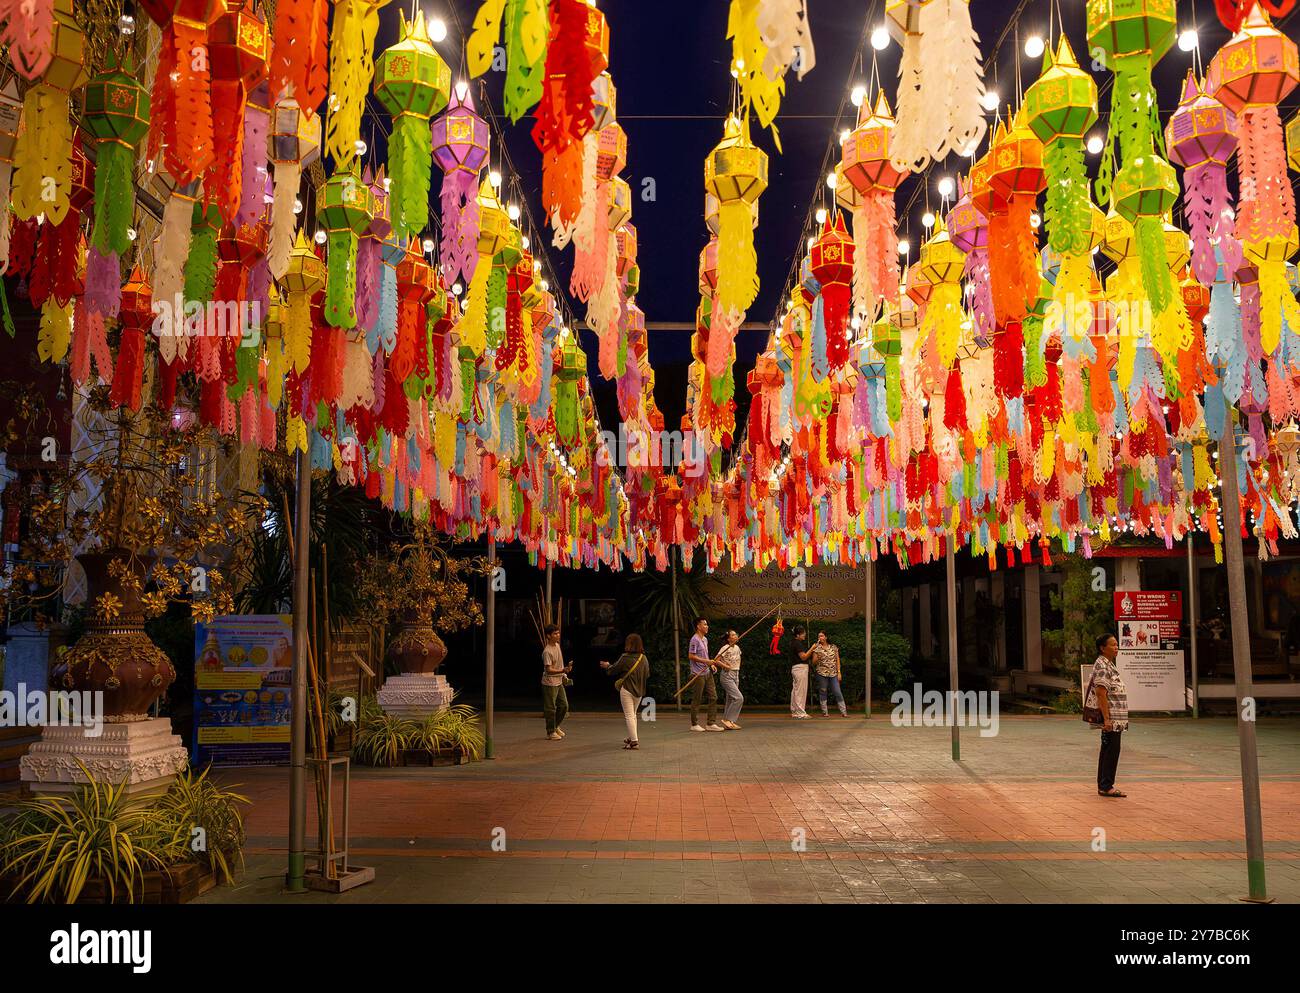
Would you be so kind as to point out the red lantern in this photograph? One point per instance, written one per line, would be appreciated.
(135, 315)
(832, 266)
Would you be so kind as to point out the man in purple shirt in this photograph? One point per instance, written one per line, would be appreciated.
(705, 688)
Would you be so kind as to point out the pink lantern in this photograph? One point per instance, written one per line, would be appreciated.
(460, 147)
(1201, 138)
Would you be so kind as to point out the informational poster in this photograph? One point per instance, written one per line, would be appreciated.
(1148, 628)
(242, 667)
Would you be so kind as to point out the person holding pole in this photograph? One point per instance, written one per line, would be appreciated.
(1108, 694)
(826, 659)
(630, 673)
(729, 662)
(555, 703)
(702, 673)
(799, 653)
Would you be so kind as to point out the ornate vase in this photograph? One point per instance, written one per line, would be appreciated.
(115, 656)
(417, 647)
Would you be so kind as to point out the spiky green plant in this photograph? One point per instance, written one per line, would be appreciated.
(54, 846)
(197, 802)
(381, 740)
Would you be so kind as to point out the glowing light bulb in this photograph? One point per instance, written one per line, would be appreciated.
(456, 289)
(1188, 40)
(1095, 144)
(945, 186)
(494, 178)
(821, 215)
(512, 211)
(927, 219)
(832, 180)
(880, 38)
(857, 95)
(989, 101)
(437, 29)
(1034, 45)
(320, 237)
(904, 247)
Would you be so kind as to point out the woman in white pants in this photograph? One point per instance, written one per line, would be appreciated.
(729, 663)
(630, 673)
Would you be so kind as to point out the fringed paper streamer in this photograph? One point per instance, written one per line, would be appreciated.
(369, 264)
(784, 28)
(299, 53)
(1201, 137)
(943, 318)
(484, 36)
(760, 90)
(55, 332)
(1156, 280)
(171, 250)
(295, 143)
(1068, 210)
(1013, 260)
(1267, 208)
(352, 66)
(114, 197)
(184, 118)
(526, 32)
(103, 285)
(940, 84)
(460, 140)
(42, 156)
(28, 33)
(253, 181)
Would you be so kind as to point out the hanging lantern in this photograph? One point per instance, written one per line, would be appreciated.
(1293, 143)
(181, 124)
(43, 151)
(867, 164)
(11, 111)
(344, 212)
(135, 316)
(1015, 178)
(413, 83)
(1250, 75)
(304, 277)
(294, 144)
(460, 147)
(940, 266)
(115, 113)
(736, 173)
(831, 260)
(1201, 137)
(238, 50)
(1060, 108)
(940, 81)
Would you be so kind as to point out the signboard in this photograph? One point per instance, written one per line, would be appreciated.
(242, 667)
(828, 593)
(1150, 649)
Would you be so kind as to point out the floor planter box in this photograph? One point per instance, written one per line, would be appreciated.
(442, 756)
(173, 885)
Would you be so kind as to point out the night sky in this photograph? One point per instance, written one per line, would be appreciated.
(670, 62)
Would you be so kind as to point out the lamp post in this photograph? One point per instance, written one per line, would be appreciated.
(295, 881)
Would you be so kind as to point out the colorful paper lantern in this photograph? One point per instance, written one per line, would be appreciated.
(115, 111)
(460, 147)
(344, 211)
(294, 143)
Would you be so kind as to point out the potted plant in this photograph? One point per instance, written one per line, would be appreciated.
(421, 587)
(136, 507)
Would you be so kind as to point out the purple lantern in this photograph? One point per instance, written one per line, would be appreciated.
(460, 147)
(1201, 138)
(368, 251)
(968, 230)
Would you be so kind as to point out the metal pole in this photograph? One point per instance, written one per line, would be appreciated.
(295, 881)
(550, 619)
(1241, 667)
(677, 645)
(952, 650)
(491, 645)
(870, 609)
(1192, 622)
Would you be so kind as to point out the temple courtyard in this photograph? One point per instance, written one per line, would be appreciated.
(827, 810)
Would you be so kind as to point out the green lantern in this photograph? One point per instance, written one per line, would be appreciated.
(413, 83)
(1060, 107)
(1128, 28)
(345, 211)
(115, 111)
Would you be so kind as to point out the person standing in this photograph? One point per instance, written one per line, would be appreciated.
(555, 703)
(630, 673)
(705, 689)
(826, 663)
(798, 653)
(1109, 695)
(729, 662)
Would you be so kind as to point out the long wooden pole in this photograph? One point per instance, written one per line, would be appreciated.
(870, 610)
(691, 682)
(952, 649)
(677, 638)
(295, 881)
(1241, 665)
(492, 647)
(1193, 622)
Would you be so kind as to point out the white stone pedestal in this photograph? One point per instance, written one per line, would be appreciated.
(143, 754)
(415, 695)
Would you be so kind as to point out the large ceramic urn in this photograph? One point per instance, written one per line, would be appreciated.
(115, 656)
(417, 647)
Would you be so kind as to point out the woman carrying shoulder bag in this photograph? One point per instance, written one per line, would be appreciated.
(630, 673)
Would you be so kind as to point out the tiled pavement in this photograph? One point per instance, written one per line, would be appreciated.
(884, 814)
